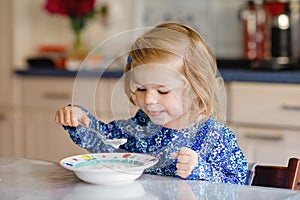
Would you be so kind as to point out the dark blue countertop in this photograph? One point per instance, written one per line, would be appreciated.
(248, 75)
(229, 75)
(65, 73)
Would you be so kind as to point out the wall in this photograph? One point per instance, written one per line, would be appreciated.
(33, 26)
(216, 20)
(5, 53)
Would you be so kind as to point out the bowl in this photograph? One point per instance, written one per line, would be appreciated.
(130, 191)
(109, 168)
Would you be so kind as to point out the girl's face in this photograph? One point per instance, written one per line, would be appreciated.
(159, 90)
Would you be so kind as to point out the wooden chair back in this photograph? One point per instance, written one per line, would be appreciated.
(278, 176)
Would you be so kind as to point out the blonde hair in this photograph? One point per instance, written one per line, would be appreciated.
(199, 68)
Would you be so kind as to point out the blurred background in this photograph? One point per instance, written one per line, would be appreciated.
(216, 20)
(256, 44)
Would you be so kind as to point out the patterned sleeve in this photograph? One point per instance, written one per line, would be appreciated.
(90, 141)
(222, 161)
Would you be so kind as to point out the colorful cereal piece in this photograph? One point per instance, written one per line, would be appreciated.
(69, 164)
(86, 157)
(126, 155)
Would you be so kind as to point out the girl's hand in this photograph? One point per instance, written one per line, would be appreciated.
(71, 116)
(187, 160)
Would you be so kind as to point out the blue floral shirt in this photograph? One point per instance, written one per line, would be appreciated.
(219, 157)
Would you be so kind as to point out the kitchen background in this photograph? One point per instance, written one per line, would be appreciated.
(216, 20)
(264, 113)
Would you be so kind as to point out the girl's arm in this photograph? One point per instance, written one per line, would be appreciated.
(224, 163)
(85, 138)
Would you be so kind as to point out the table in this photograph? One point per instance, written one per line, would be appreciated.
(35, 179)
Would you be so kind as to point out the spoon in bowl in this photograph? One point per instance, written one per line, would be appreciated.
(112, 142)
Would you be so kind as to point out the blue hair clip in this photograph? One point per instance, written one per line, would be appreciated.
(129, 59)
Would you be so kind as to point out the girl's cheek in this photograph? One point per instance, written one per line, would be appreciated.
(187, 99)
(139, 100)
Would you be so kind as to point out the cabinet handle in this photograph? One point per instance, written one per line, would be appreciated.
(290, 106)
(56, 95)
(263, 137)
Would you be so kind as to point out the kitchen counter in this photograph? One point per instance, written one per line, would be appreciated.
(66, 73)
(248, 75)
(36, 179)
(229, 75)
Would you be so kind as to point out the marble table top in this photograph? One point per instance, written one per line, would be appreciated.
(34, 179)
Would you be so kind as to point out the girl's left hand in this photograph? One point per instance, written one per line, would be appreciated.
(187, 160)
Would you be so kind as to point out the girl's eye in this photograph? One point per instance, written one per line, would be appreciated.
(140, 89)
(160, 91)
(163, 91)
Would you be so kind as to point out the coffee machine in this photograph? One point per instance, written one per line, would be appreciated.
(271, 31)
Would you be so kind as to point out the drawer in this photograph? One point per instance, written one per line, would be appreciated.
(105, 96)
(47, 92)
(265, 104)
(261, 144)
(59, 92)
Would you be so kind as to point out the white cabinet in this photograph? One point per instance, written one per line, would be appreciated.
(43, 138)
(268, 145)
(264, 116)
(46, 140)
(266, 119)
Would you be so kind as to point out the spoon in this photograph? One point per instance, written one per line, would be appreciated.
(112, 142)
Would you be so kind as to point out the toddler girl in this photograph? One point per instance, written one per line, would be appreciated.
(171, 76)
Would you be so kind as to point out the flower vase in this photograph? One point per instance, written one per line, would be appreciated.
(76, 53)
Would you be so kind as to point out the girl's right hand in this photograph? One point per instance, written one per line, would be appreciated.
(71, 116)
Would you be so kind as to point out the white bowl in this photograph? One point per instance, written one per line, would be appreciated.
(108, 168)
(130, 191)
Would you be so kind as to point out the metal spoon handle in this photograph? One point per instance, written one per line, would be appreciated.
(114, 142)
(94, 131)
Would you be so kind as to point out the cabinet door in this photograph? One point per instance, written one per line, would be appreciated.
(45, 139)
(266, 119)
(265, 104)
(268, 146)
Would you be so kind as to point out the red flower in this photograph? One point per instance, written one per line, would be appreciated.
(71, 8)
(78, 12)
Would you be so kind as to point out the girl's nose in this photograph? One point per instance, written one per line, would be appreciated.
(150, 97)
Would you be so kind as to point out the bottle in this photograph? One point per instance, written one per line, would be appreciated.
(255, 31)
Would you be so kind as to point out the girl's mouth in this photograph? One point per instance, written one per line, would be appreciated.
(155, 113)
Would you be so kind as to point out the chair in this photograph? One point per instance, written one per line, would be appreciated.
(278, 176)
